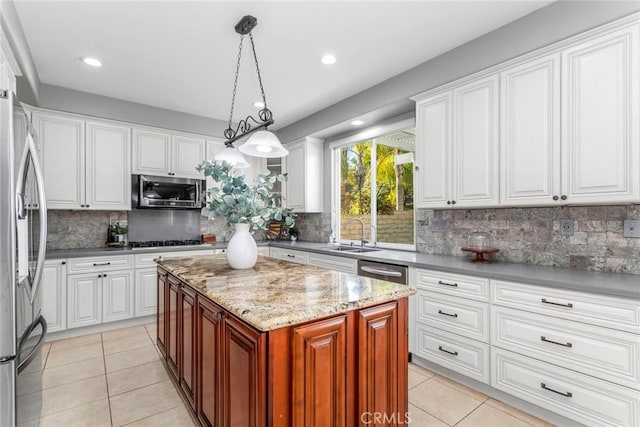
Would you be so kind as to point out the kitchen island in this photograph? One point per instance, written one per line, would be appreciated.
(283, 344)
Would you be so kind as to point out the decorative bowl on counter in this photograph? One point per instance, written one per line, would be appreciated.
(480, 243)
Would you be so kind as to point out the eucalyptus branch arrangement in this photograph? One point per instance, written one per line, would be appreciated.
(239, 202)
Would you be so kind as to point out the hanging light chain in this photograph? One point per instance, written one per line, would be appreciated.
(255, 58)
(235, 86)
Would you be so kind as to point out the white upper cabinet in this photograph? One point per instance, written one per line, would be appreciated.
(530, 132)
(600, 117)
(86, 164)
(457, 147)
(163, 154)
(303, 192)
(108, 166)
(62, 141)
(433, 151)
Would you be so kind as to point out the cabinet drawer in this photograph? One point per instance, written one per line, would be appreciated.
(576, 396)
(96, 264)
(458, 315)
(346, 265)
(289, 255)
(601, 352)
(599, 310)
(463, 355)
(148, 259)
(476, 288)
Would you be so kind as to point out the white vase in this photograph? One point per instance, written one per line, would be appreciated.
(242, 250)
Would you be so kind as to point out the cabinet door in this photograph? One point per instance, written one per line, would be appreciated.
(378, 360)
(257, 166)
(187, 154)
(62, 140)
(151, 152)
(243, 369)
(209, 351)
(530, 133)
(601, 143)
(161, 324)
(475, 142)
(433, 152)
(172, 320)
(84, 300)
(146, 292)
(54, 294)
(187, 343)
(117, 296)
(296, 178)
(108, 166)
(214, 146)
(320, 373)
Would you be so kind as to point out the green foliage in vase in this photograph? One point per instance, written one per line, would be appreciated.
(236, 201)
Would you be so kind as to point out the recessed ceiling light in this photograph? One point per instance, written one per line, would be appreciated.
(328, 59)
(357, 123)
(258, 104)
(91, 61)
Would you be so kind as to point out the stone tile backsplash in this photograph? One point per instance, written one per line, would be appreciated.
(79, 229)
(532, 235)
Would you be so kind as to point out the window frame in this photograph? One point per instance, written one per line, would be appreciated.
(371, 134)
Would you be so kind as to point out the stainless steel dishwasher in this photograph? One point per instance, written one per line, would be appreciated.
(380, 270)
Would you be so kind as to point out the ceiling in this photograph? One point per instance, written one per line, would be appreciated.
(181, 55)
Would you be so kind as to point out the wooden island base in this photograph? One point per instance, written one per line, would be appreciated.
(345, 370)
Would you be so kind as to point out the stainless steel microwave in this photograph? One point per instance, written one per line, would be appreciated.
(165, 192)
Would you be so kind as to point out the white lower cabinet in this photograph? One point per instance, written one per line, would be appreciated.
(84, 300)
(466, 356)
(54, 294)
(146, 294)
(571, 394)
(345, 265)
(289, 255)
(117, 296)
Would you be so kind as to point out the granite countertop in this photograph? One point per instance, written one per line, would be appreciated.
(275, 294)
(612, 284)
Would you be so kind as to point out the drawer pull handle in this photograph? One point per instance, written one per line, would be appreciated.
(566, 394)
(440, 282)
(96, 264)
(455, 353)
(291, 256)
(447, 314)
(569, 305)
(556, 342)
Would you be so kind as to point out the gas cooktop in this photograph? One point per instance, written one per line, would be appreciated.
(164, 243)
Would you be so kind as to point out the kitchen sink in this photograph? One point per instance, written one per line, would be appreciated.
(353, 249)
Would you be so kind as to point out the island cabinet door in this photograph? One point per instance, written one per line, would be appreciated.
(163, 290)
(382, 364)
(320, 373)
(244, 372)
(172, 326)
(187, 350)
(208, 362)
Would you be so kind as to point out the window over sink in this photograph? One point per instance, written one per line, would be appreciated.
(372, 187)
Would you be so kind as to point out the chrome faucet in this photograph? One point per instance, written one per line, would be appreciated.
(363, 239)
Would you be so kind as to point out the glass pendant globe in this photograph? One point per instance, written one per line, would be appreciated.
(233, 157)
(263, 144)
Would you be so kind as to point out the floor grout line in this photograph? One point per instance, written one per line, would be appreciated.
(104, 364)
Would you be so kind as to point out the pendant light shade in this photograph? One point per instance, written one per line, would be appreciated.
(263, 144)
(233, 157)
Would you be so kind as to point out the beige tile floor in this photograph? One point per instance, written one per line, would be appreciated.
(116, 378)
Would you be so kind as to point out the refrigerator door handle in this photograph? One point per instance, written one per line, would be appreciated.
(23, 363)
(31, 153)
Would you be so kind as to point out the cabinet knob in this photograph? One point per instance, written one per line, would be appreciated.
(448, 202)
(555, 197)
(104, 275)
(453, 202)
(563, 197)
(99, 275)
(63, 262)
(417, 168)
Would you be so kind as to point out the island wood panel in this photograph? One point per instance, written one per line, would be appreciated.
(207, 349)
(244, 373)
(187, 350)
(173, 326)
(163, 289)
(320, 373)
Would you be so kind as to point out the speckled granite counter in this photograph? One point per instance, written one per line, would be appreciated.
(275, 294)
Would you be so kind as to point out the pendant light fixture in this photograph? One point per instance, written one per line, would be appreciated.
(262, 143)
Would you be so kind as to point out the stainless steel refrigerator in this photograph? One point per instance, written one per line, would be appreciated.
(23, 234)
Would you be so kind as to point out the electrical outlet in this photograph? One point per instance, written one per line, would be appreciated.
(631, 228)
(566, 227)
